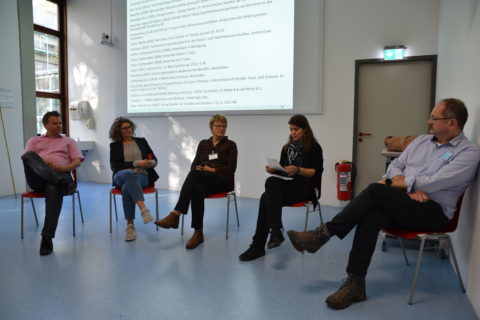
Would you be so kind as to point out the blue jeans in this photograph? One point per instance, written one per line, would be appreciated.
(131, 185)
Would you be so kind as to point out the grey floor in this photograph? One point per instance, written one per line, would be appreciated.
(97, 275)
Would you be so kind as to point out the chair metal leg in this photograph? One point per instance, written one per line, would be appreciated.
(306, 218)
(110, 211)
(80, 204)
(320, 213)
(115, 205)
(21, 220)
(417, 269)
(156, 206)
(183, 217)
(236, 209)
(228, 216)
(73, 212)
(34, 211)
(403, 250)
(450, 246)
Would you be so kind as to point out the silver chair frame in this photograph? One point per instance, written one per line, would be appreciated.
(231, 196)
(35, 212)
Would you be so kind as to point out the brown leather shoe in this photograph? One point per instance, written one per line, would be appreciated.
(195, 240)
(170, 221)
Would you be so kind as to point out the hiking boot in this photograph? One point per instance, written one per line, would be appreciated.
(252, 253)
(276, 238)
(130, 233)
(352, 290)
(170, 221)
(195, 240)
(309, 240)
(146, 216)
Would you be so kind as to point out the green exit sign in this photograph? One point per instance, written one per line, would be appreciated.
(397, 53)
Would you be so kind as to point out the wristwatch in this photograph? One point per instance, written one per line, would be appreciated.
(388, 182)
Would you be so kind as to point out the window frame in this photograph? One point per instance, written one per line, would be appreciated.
(61, 34)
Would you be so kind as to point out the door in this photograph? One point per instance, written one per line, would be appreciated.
(392, 99)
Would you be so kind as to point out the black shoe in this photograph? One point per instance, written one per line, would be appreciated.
(46, 247)
(276, 238)
(68, 187)
(252, 253)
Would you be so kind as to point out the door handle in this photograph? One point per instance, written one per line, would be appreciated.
(362, 134)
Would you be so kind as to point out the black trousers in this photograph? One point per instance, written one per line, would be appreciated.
(380, 206)
(278, 193)
(43, 179)
(197, 185)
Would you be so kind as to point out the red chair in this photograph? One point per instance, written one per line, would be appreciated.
(116, 191)
(231, 196)
(33, 195)
(426, 235)
(309, 204)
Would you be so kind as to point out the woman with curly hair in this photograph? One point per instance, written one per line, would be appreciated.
(132, 162)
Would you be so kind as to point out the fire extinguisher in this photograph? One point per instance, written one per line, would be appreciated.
(345, 178)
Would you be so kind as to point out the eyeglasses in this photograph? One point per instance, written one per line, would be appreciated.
(126, 128)
(432, 118)
(220, 126)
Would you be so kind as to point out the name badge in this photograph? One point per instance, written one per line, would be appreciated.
(213, 156)
(446, 155)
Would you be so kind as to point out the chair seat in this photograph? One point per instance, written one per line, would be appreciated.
(300, 204)
(217, 195)
(409, 234)
(118, 192)
(405, 234)
(33, 194)
(149, 189)
(231, 196)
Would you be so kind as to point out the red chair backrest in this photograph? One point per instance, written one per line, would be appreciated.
(452, 225)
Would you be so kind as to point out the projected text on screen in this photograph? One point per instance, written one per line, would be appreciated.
(209, 55)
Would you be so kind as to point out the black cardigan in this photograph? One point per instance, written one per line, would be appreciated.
(117, 160)
(312, 159)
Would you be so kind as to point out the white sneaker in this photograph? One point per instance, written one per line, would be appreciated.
(147, 217)
(130, 233)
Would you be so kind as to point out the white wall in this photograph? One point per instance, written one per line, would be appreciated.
(354, 30)
(10, 78)
(458, 76)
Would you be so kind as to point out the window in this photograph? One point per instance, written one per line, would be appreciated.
(49, 38)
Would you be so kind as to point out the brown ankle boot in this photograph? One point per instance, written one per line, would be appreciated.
(195, 240)
(353, 290)
(170, 221)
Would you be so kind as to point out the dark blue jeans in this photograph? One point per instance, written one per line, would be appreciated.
(40, 177)
(131, 184)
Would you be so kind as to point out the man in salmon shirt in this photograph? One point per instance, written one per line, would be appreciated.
(48, 161)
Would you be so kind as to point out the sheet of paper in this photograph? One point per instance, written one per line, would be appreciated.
(280, 177)
(6, 98)
(274, 164)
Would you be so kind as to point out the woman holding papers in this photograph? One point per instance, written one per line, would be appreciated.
(301, 163)
(212, 171)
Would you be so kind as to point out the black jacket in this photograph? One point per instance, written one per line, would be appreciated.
(117, 161)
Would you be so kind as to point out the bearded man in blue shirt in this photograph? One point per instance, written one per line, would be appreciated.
(419, 191)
